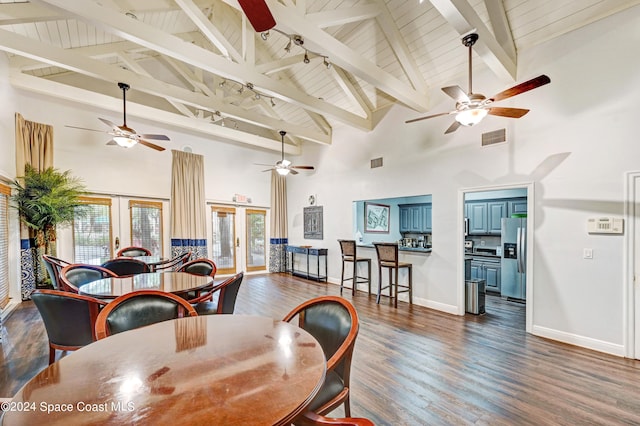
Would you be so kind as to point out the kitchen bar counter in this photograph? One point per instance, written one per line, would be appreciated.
(401, 248)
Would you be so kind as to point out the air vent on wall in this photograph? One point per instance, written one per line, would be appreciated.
(497, 136)
(376, 162)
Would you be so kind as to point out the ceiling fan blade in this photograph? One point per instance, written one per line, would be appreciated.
(84, 128)
(522, 87)
(268, 170)
(303, 167)
(110, 124)
(293, 172)
(258, 14)
(429, 116)
(454, 126)
(508, 112)
(262, 164)
(456, 93)
(112, 142)
(155, 137)
(150, 145)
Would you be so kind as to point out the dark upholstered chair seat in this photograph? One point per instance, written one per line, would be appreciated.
(227, 292)
(125, 266)
(68, 318)
(74, 276)
(331, 388)
(333, 321)
(133, 251)
(138, 309)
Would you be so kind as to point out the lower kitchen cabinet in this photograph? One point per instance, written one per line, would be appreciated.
(488, 270)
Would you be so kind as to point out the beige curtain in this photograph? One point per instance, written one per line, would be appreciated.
(279, 233)
(34, 145)
(188, 205)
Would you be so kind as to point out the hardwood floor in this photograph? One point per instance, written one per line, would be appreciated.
(415, 366)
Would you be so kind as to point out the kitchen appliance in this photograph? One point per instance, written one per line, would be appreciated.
(514, 258)
(468, 246)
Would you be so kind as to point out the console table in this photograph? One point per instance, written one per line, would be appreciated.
(307, 252)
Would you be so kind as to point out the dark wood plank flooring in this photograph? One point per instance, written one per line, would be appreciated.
(416, 366)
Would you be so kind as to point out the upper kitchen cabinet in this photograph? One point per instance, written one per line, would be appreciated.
(415, 218)
(517, 206)
(485, 217)
(496, 211)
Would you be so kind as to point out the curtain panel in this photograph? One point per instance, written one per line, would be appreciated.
(34, 146)
(188, 205)
(279, 234)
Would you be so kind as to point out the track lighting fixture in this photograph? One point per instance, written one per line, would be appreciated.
(257, 95)
(221, 84)
(298, 40)
(272, 103)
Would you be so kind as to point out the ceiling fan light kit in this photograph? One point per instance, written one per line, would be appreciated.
(125, 141)
(283, 167)
(472, 108)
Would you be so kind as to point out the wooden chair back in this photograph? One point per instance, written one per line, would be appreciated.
(74, 276)
(140, 308)
(54, 267)
(333, 321)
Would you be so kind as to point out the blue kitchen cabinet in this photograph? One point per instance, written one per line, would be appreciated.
(496, 210)
(517, 206)
(477, 214)
(415, 218)
(426, 218)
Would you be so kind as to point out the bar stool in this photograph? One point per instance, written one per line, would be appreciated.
(388, 258)
(348, 248)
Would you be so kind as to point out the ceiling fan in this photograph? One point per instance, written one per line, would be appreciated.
(284, 167)
(471, 107)
(124, 135)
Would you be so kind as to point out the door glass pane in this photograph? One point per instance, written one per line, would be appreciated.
(223, 241)
(146, 225)
(92, 231)
(256, 238)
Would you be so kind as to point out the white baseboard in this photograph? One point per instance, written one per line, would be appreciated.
(577, 340)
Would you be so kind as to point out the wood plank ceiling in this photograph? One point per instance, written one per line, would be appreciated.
(199, 64)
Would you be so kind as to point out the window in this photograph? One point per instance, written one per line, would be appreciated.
(146, 225)
(4, 245)
(92, 231)
(256, 240)
(223, 224)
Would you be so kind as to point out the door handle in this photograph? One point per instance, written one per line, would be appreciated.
(237, 241)
(117, 243)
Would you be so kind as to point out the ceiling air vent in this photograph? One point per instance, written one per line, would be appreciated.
(376, 162)
(497, 136)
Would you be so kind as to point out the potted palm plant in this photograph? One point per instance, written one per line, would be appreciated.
(46, 200)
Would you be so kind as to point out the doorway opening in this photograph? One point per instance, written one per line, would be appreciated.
(498, 248)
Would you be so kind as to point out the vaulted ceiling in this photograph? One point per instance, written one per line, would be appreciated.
(200, 65)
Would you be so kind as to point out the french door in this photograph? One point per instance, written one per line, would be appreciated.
(238, 239)
(106, 224)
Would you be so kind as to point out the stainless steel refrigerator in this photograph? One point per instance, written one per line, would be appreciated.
(514, 258)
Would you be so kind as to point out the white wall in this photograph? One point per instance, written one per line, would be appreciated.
(575, 145)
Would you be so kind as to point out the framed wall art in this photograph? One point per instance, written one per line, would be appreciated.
(313, 222)
(376, 217)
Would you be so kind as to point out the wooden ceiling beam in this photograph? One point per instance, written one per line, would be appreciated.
(464, 19)
(342, 16)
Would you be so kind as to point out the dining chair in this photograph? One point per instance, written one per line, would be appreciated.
(227, 292)
(333, 321)
(312, 419)
(69, 319)
(174, 263)
(54, 266)
(133, 251)
(388, 258)
(126, 266)
(200, 266)
(74, 276)
(348, 249)
(140, 308)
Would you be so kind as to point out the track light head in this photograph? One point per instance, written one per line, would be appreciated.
(288, 47)
(326, 62)
(264, 35)
(306, 58)
(297, 39)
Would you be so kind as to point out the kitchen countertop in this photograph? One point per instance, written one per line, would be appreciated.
(401, 248)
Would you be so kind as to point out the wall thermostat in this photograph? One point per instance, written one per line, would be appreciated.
(605, 225)
(312, 200)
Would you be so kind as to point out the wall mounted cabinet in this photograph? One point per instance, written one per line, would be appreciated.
(485, 217)
(415, 218)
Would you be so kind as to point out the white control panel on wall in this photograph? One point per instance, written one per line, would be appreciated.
(605, 225)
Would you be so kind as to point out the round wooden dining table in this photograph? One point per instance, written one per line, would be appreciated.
(170, 282)
(205, 370)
